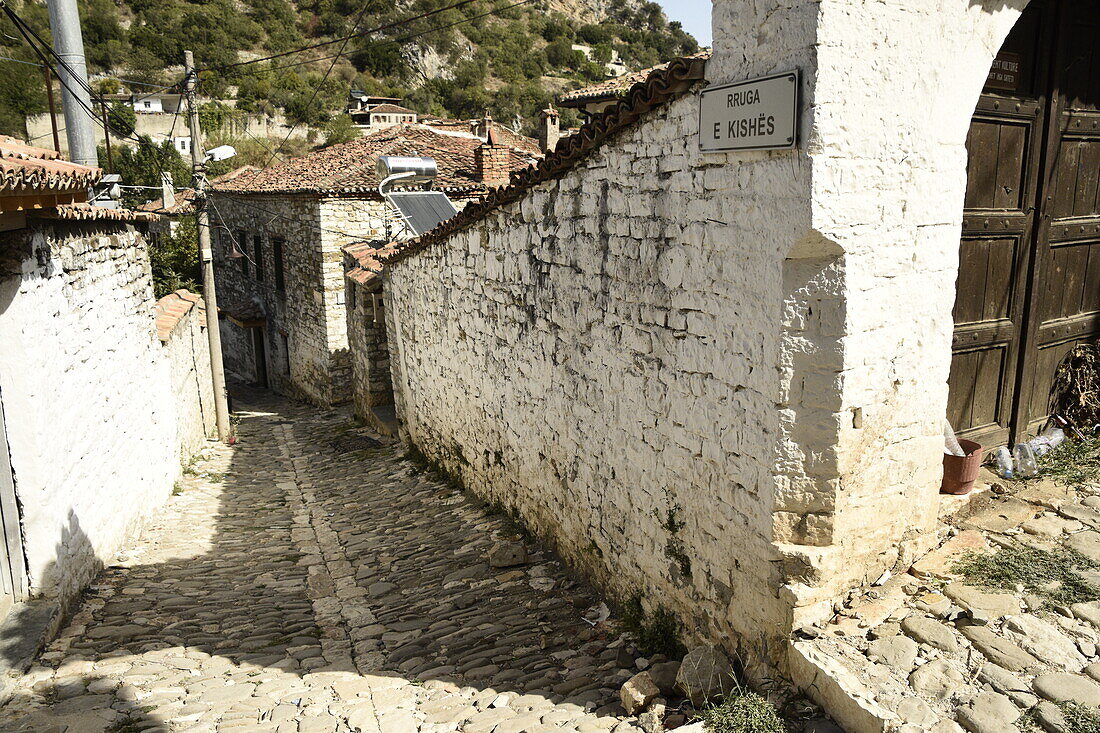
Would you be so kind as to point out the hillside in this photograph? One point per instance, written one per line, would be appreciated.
(459, 63)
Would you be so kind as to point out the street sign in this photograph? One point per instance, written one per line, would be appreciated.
(758, 114)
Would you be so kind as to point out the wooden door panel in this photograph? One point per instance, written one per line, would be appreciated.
(1065, 302)
(975, 398)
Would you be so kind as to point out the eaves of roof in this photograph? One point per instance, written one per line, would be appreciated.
(660, 87)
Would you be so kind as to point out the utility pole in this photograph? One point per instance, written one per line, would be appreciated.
(206, 254)
(76, 99)
(53, 108)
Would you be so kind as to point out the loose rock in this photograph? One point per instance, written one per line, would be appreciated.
(638, 692)
(705, 673)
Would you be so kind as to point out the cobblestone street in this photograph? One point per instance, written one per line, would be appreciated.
(292, 585)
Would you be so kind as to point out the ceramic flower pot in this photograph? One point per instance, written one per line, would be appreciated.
(960, 472)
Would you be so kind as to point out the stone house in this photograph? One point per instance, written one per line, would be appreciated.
(719, 380)
(103, 391)
(380, 116)
(285, 324)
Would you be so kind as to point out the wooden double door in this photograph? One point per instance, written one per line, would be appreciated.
(1029, 269)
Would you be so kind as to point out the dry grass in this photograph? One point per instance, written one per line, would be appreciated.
(1053, 575)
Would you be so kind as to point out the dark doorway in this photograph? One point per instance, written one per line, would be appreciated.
(1029, 265)
(259, 353)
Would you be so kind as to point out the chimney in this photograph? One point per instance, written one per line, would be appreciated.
(549, 132)
(492, 161)
(167, 191)
(483, 126)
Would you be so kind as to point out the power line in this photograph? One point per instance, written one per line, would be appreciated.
(156, 87)
(317, 89)
(402, 39)
(30, 36)
(342, 39)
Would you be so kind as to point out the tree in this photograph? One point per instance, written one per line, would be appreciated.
(175, 259)
(340, 130)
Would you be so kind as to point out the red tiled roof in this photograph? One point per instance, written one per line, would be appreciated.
(27, 169)
(87, 212)
(173, 307)
(467, 127)
(348, 168)
(368, 257)
(616, 87)
(391, 109)
(661, 87)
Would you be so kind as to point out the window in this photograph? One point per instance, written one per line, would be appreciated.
(239, 245)
(284, 354)
(350, 285)
(258, 255)
(277, 255)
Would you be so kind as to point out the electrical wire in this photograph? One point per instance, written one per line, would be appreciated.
(342, 39)
(317, 89)
(402, 39)
(30, 36)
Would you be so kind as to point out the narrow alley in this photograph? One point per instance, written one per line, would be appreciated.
(296, 583)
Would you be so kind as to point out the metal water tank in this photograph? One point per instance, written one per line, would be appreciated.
(410, 169)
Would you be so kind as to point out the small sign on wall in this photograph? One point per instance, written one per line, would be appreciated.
(1004, 74)
(758, 114)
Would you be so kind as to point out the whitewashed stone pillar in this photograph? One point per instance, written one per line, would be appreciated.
(869, 257)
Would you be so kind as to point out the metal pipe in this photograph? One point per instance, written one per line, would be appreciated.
(76, 98)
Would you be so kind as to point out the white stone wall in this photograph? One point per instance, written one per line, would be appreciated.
(758, 341)
(87, 396)
(188, 353)
(601, 358)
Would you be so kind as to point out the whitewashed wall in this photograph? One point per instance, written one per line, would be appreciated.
(87, 397)
(758, 342)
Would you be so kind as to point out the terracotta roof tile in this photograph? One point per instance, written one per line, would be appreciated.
(369, 259)
(25, 168)
(185, 204)
(661, 87)
(87, 212)
(349, 167)
(391, 109)
(173, 307)
(616, 87)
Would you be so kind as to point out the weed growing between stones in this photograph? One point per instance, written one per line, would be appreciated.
(743, 711)
(1078, 719)
(1053, 575)
(658, 633)
(1074, 463)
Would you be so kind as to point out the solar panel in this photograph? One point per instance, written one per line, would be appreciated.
(422, 210)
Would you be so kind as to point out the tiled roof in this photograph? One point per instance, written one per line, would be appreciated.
(348, 168)
(391, 109)
(87, 212)
(27, 169)
(467, 127)
(661, 87)
(173, 307)
(369, 259)
(616, 87)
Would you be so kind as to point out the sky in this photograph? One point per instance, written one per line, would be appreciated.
(693, 14)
